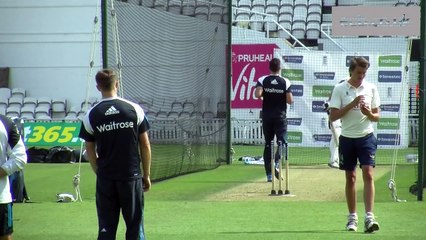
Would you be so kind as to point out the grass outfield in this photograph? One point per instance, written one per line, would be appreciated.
(230, 202)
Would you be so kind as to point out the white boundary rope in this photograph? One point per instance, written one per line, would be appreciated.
(95, 33)
(117, 48)
(391, 182)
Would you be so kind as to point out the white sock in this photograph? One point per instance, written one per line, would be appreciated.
(369, 215)
(353, 215)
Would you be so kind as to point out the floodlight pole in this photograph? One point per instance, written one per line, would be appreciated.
(104, 29)
(229, 85)
(422, 103)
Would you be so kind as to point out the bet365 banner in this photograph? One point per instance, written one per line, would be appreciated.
(51, 134)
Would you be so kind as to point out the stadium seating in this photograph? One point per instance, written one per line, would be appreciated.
(202, 11)
(298, 30)
(59, 107)
(148, 3)
(72, 113)
(188, 106)
(81, 113)
(184, 114)
(27, 112)
(225, 17)
(313, 30)
(18, 93)
(87, 105)
(176, 106)
(242, 19)
(313, 17)
(300, 13)
(196, 114)
(349, 2)
(175, 6)
(188, 8)
(244, 4)
(161, 5)
(15, 101)
(208, 115)
(413, 3)
(400, 3)
(303, 3)
(161, 115)
(256, 22)
(5, 93)
(151, 115)
(13, 111)
(44, 101)
(172, 115)
(329, 3)
(216, 13)
(221, 109)
(4, 102)
(30, 101)
(272, 8)
(258, 6)
(287, 3)
(42, 112)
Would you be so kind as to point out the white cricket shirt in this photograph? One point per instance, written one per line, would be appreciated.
(354, 123)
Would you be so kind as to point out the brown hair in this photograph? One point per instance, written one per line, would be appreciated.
(106, 79)
(275, 65)
(358, 61)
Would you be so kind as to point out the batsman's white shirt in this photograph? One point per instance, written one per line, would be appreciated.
(13, 156)
(354, 123)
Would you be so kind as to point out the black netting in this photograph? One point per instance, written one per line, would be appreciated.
(172, 60)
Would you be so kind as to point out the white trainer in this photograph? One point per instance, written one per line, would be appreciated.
(352, 224)
(370, 225)
(333, 165)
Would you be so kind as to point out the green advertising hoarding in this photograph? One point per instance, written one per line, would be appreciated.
(51, 134)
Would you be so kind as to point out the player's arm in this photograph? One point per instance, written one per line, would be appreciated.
(288, 94)
(91, 155)
(145, 151)
(372, 115)
(258, 92)
(289, 97)
(86, 133)
(15, 150)
(336, 113)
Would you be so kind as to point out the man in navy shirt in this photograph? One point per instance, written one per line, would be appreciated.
(118, 148)
(276, 93)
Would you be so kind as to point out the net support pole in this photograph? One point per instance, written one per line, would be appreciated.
(422, 103)
(229, 85)
(104, 30)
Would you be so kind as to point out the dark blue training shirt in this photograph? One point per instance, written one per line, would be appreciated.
(115, 124)
(275, 89)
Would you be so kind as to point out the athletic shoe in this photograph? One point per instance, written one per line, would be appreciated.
(370, 225)
(269, 178)
(352, 224)
(333, 165)
(278, 174)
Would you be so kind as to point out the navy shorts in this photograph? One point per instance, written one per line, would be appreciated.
(352, 150)
(6, 223)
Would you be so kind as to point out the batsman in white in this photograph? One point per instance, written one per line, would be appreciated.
(13, 157)
(336, 129)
